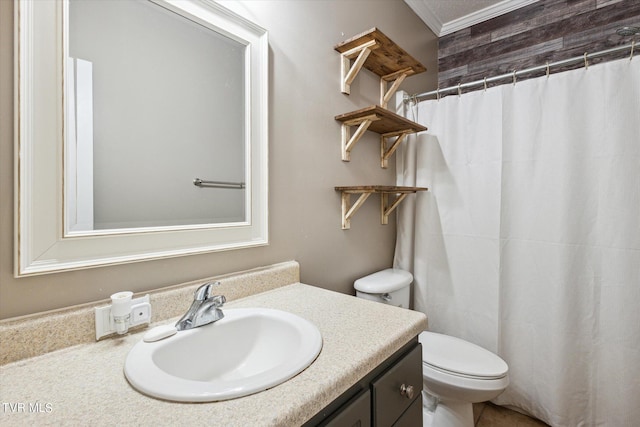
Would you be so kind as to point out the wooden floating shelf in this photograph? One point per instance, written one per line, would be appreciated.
(377, 53)
(365, 191)
(391, 127)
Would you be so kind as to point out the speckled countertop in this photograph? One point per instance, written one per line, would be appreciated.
(85, 384)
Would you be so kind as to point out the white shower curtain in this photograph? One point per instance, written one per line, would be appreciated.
(528, 242)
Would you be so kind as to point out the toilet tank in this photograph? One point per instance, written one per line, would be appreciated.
(390, 286)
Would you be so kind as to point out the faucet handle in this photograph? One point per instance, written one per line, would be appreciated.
(205, 291)
(218, 300)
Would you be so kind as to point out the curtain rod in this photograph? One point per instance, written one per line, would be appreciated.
(514, 74)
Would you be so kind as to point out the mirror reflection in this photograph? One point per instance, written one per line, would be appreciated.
(154, 101)
(128, 103)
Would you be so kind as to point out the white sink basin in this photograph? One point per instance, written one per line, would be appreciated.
(248, 351)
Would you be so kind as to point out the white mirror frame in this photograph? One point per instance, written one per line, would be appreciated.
(40, 243)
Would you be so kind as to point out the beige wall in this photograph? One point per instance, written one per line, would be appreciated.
(304, 160)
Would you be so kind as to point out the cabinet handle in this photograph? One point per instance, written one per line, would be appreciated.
(406, 391)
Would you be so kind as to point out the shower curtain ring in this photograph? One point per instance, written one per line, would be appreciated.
(459, 89)
(586, 62)
(438, 93)
(485, 84)
(633, 45)
(514, 77)
(548, 70)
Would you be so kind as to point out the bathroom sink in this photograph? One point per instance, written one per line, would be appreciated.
(249, 350)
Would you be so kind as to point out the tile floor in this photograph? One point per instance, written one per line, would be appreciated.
(490, 415)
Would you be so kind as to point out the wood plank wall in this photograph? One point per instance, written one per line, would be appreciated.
(548, 30)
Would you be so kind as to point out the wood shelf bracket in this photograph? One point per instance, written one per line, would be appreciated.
(349, 140)
(388, 146)
(379, 54)
(386, 208)
(397, 78)
(348, 71)
(386, 205)
(387, 124)
(348, 210)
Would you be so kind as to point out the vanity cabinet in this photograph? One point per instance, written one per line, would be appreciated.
(394, 392)
(356, 412)
(388, 396)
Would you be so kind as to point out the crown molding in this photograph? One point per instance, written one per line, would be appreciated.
(426, 13)
(428, 16)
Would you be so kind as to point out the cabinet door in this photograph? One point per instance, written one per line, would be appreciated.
(412, 417)
(355, 413)
(396, 389)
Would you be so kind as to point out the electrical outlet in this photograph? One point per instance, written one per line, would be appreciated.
(140, 314)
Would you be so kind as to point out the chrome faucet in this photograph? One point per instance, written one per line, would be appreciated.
(204, 309)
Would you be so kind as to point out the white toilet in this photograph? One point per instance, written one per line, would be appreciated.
(455, 373)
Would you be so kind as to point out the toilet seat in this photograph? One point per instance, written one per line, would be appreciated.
(457, 357)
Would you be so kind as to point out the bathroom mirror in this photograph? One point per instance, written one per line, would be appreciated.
(121, 109)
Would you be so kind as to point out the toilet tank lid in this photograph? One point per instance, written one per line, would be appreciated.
(389, 280)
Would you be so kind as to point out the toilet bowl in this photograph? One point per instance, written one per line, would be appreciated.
(455, 372)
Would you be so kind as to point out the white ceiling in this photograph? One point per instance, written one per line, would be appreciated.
(447, 16)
